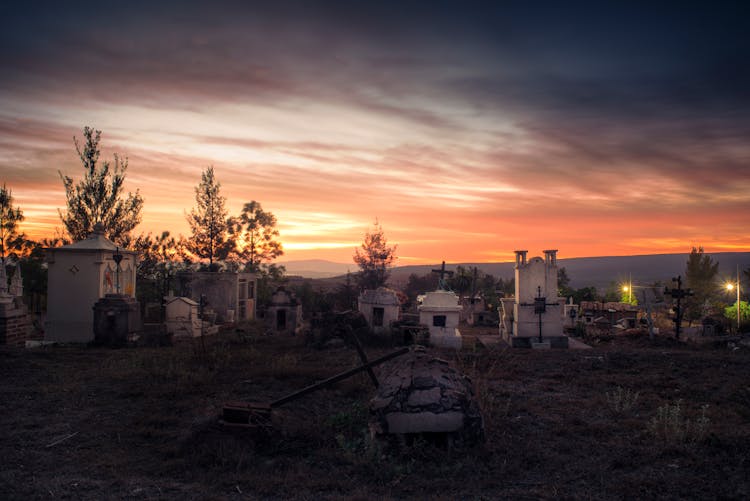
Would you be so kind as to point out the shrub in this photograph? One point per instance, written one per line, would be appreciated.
(621, 400)
(671, 426)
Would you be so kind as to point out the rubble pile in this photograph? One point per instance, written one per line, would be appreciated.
(423, 395)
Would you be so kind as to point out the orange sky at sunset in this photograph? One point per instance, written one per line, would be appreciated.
(465, 147)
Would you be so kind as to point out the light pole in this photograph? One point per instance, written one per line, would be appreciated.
(731, 286)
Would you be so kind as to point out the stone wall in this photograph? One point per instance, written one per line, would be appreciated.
(15, 324)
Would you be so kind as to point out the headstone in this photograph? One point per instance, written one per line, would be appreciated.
(380, 307)
(440, 312)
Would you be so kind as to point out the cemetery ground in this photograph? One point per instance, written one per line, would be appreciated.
(138, 423)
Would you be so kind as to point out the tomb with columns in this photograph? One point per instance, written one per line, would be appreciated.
(534, 317)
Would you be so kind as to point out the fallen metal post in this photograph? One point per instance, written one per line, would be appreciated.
(337, 378)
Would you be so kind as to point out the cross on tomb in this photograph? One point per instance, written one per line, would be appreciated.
(540, 308)
(679, 293)
(441, 284)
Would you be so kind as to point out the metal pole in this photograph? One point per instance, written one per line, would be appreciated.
(738, 299)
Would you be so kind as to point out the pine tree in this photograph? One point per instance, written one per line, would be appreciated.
(208, 221)
(99, 196)
(374, 259)
(256, 236)
(11, 241)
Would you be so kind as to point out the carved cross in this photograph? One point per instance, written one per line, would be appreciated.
(443, 272)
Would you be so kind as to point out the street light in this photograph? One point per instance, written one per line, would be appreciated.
(730, 286)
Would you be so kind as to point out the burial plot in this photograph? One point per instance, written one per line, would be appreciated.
(284, 314)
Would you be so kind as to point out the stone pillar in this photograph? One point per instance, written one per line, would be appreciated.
(520, 257)
(550, 257)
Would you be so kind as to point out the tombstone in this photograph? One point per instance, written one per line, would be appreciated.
(440, 312)
(182, 317)
(230, 294)
(79, 275)
(537, 313)
(380, 307)
(284, 314)
(15, 321)
(473, 309)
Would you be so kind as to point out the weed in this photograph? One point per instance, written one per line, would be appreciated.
(672, 427)
(621, 400)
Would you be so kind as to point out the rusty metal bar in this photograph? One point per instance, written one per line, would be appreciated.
(363, 357)
(337, 378)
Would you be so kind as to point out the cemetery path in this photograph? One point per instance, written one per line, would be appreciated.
(627, 418)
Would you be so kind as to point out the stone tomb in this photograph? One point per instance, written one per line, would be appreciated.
(284, 314)
(182, 319)
(421, 395)
(536, 310)
(230, 294)
(79, 275)
(440, 312)
(380, 307)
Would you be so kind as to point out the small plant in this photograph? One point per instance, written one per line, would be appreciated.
(671, 426)
(621, 400)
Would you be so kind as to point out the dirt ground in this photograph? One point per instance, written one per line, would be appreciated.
(140, 423)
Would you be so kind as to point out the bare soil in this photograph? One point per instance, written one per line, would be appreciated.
(140, 423)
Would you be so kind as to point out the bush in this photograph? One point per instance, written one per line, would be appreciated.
(671, 426)
(621, 400)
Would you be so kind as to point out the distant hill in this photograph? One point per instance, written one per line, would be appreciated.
(317, 268)
(600, 272)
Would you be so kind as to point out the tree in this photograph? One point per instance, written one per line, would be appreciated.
(563, 283)
(99, 196)
(374, 259)
(461, 281)
(208, 221)
(700, 276)
(12, 243)
(256, 235)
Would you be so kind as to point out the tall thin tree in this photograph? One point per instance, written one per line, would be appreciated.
(374, 258)
(99, 197)
(208, 221)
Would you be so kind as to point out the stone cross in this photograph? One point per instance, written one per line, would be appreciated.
(16, 283)
(442, 272)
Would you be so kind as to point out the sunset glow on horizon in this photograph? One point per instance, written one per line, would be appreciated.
(467, 133)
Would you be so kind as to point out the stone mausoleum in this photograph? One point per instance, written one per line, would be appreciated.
(79, 275)
(534, 317)
(231, 295)
(380, 307)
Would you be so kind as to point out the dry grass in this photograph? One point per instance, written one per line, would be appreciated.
(141, 424)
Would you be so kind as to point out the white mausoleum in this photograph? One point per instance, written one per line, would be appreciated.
(79, 275)
(440, 311)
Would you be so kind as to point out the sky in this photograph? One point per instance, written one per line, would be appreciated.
(466, 129)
